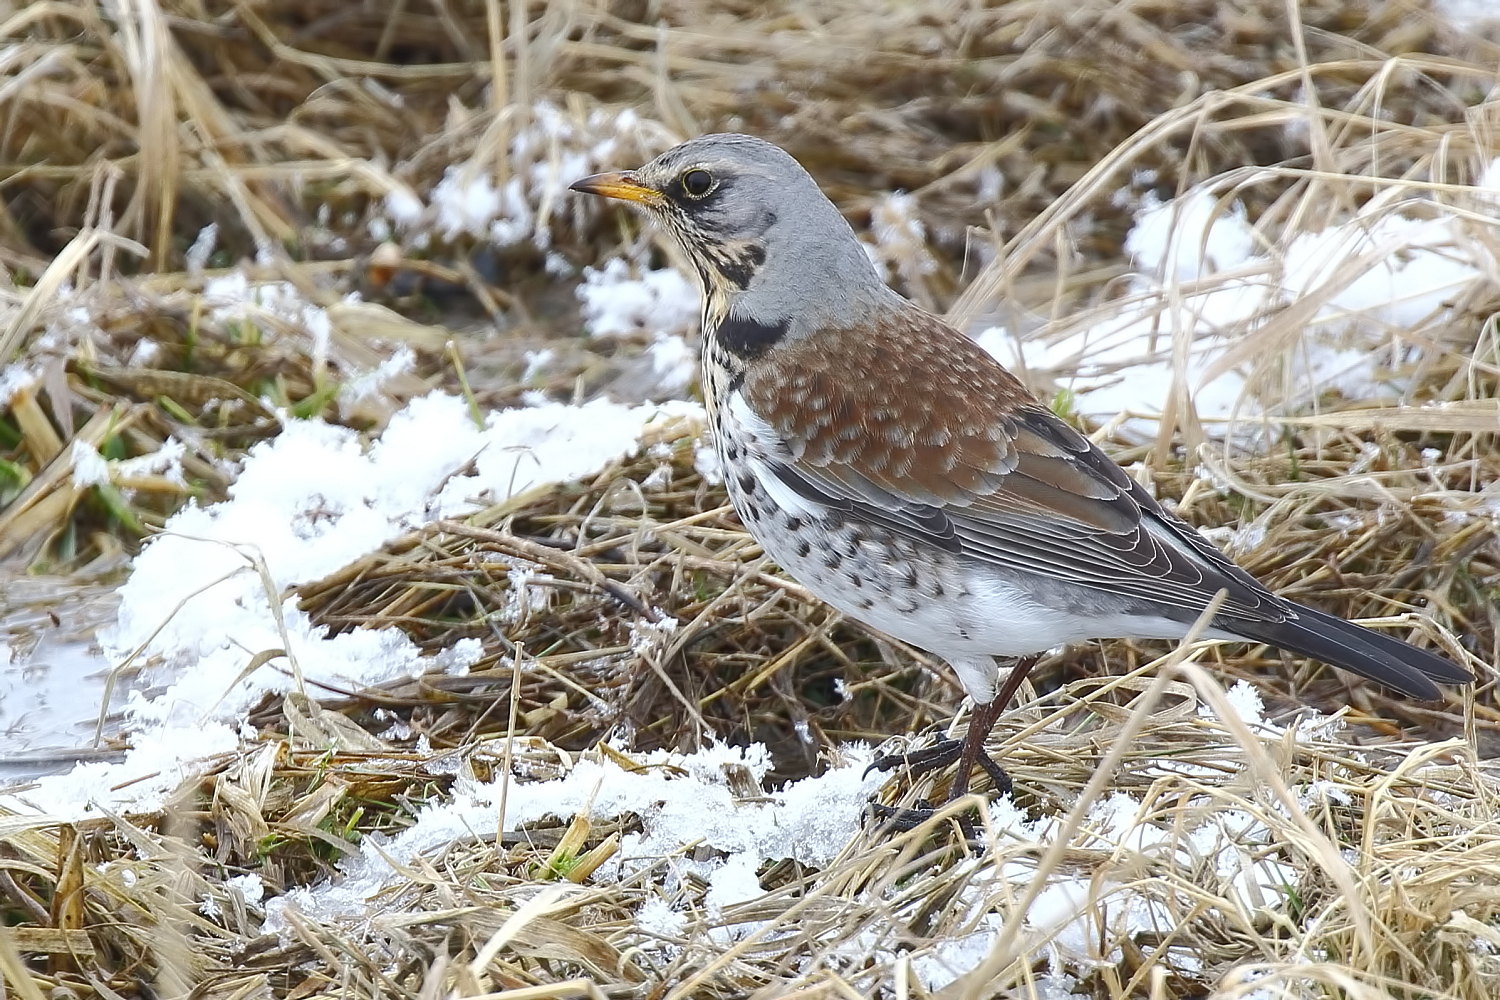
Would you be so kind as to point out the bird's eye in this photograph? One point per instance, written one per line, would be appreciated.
(696, 183)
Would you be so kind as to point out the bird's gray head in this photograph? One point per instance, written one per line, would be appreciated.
(768, 246)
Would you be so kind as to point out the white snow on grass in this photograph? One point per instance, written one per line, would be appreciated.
(1469, 14)
(165, 461)
(89, 467)
(697, 840)
(1079, 909)
(15, 378)
(683, 801)
(467, 201)
(203, 598)
(313, 500)
(549, 150)
(155, 766)
(207, 241)
(1190, 237)
(234, 298)
(706, 463)
(660, 305)
(1205, 280)
(615, 304)
(367, 385)
(674, 365)
(403, 206)
(900, 238)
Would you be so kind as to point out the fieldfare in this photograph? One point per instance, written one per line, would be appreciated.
(904, 476)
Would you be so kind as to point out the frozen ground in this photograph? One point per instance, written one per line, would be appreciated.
(201, 600)
(1206, 285)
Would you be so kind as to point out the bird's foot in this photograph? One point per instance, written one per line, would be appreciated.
(898, 820)
(938, 756)
(968, 753)
(934, 758)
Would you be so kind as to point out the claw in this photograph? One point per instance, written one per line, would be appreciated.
(999, 778)
(967, 753)
(924, 761)
(904, 820)
(938, 756)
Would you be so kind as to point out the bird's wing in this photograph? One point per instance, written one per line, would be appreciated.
(911, 425)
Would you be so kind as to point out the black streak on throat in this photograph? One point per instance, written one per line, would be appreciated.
(739, 267)
(748, 339)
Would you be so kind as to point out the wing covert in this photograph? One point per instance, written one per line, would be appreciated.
(874, 426)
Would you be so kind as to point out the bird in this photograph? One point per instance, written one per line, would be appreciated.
(904, 476)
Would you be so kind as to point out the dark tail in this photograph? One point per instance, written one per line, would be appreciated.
(1363, 651)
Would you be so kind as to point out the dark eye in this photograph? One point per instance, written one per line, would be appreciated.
(697, 183)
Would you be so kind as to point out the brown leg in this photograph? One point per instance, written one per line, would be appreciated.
(967, 752)
(981, 724)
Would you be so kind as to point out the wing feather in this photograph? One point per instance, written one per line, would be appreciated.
(994, 475)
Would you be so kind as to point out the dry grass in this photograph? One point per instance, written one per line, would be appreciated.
(127, 129)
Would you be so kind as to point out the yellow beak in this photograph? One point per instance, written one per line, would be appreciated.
(619, 184)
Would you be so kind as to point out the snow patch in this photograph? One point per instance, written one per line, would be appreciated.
(89, 467)
(205, 595)
(682, 800)
(617, 305)
(549, 150)
(1204, 282)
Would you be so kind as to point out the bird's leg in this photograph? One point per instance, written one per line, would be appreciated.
(971, 751)
(967, 752)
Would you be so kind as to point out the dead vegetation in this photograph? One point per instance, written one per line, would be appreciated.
(1027, 134)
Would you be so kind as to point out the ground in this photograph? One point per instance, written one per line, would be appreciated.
(367, 463)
